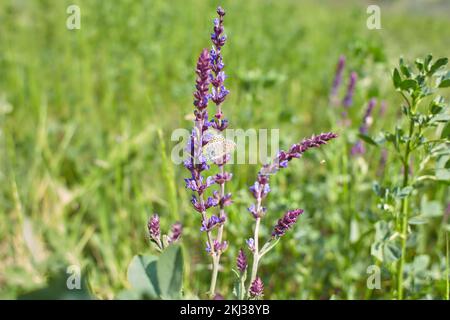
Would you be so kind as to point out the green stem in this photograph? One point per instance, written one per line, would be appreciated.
(242, 289)
(447, 262)
(256, 253)
(212, 288)
(216, 258)
(404, 214)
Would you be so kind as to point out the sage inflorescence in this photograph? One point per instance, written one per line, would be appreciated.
(209, 198)
(359, 148)
(163, 241)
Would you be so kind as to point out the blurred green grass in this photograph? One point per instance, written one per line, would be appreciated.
(81, 159)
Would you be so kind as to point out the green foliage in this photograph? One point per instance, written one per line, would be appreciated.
(156, 277)
(82, 165)
(57, 289)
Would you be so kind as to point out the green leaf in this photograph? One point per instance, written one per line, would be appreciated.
(405, 70)
(268, 246)
(376, 250)
(435, 108)
(141, 275)
(368, 139)
(421, 263)
(443, 174)
(439, 63)
(169, 272)
(404, 192)
(419, 64)
(441, 117)
(446, 131)
(392, 252)
(408, 84)
(427, 61)
(417, 220)
(57, 289)
(396, 78)
(431, 208)
(382, 231)
(445, 83)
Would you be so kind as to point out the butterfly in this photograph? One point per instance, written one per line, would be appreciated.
(217, 148)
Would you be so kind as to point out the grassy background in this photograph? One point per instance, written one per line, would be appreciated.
(82, 165)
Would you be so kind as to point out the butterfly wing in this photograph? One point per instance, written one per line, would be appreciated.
(217, 148)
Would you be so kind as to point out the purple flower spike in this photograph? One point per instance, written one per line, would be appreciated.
(177, 230)
(358, 148)
(285, 223)
(218, 90)
(296, 151)
(241, 261)
(203, 80)
(256, 288)
(154, 229)
(338, 77)
(348, 100)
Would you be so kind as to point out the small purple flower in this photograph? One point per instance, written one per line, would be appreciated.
(285, 223)
(219, 247)
(211, 202)
(209, 224)
(154, 229)
(177, 230)
(222, 178)
(198, 185)
(257, 288)
(198, 206)
(218, 95)
(223, 201)
(241, 261)
(255, 212)
(358, 148)
(250, 244)
(348, 99)
(260, 190)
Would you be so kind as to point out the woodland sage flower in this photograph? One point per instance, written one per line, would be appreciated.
(241, 261)
(256, 288)
(348, 99)
(285, 223)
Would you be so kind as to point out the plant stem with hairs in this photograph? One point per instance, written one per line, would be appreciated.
(404, 213)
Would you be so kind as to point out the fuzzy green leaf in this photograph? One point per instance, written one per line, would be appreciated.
(396, 78)
(368, 139)
(439, 63)
(408, 84)
(170, 272)
(141, 275)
